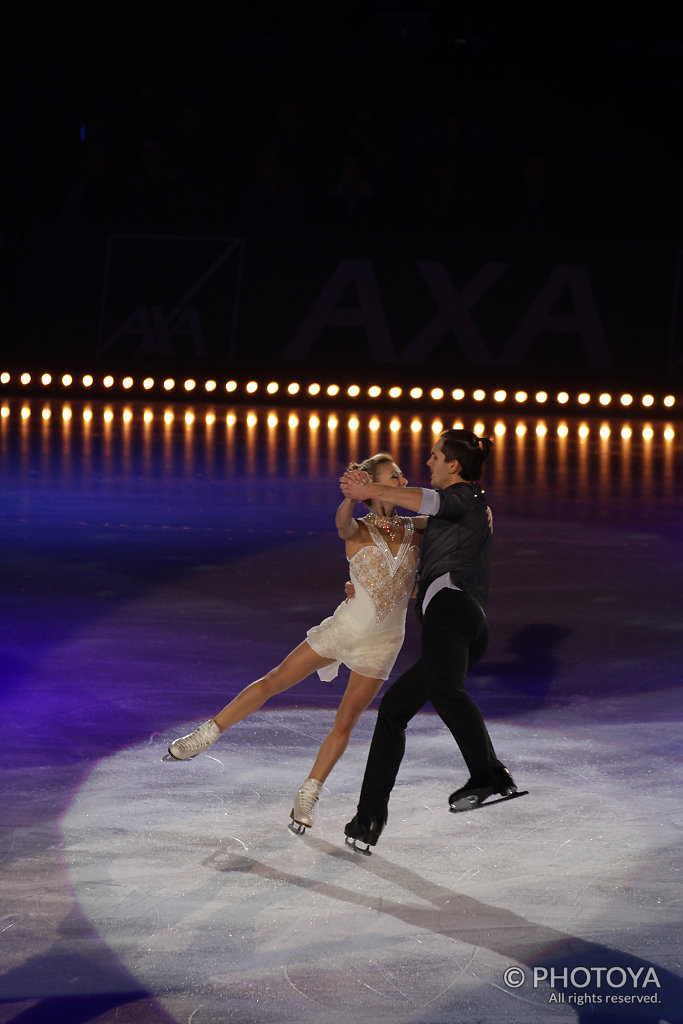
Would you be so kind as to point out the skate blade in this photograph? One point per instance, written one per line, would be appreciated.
(297, 828)
(472, 804)
(353, 843)
(170, 757)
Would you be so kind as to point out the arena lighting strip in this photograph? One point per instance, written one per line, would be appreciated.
(374, 424)
(170, 387)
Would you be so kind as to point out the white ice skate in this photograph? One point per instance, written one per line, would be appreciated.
(194, 743)
(304, 805)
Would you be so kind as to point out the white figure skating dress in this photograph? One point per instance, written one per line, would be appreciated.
(366, 632)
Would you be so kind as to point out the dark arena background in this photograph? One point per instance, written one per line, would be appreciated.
(238, 250)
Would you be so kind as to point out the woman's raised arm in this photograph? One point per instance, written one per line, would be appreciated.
(347, 527)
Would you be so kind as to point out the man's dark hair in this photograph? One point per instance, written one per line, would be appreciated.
(468, 449)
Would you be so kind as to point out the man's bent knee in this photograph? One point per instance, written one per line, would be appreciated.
(391, 717)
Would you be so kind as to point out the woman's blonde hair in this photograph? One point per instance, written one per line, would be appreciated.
(371, 466)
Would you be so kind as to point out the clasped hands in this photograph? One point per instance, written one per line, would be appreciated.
(354, 484)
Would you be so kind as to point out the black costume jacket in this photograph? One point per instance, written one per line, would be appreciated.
(457, 540)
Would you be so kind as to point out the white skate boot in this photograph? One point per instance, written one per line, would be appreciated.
(304, 804)
(194, 743)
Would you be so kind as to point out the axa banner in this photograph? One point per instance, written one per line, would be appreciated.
(342, 302)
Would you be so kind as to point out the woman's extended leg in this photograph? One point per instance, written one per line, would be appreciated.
(301, 662)
(298, 664)
(360, 690)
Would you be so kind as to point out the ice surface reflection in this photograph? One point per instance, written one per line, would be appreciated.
(574, 463)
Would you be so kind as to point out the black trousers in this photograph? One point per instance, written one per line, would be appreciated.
(454, 637)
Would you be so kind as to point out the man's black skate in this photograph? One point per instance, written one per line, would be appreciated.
(483, 785)
(363, 830)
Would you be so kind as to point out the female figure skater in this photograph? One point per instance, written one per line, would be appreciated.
(365, 633)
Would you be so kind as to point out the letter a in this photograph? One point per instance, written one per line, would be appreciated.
(368, 314)
(584, 321)
(138, 324)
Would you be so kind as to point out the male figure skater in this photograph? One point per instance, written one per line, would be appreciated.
(452, 592)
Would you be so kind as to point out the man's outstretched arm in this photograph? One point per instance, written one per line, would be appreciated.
(411, 498)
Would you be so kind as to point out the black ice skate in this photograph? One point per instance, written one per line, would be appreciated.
(363, 830)
(480, 787)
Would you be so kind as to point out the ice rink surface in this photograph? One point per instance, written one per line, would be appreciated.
(150, 571)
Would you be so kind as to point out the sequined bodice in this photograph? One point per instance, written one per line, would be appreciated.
(387, 578)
